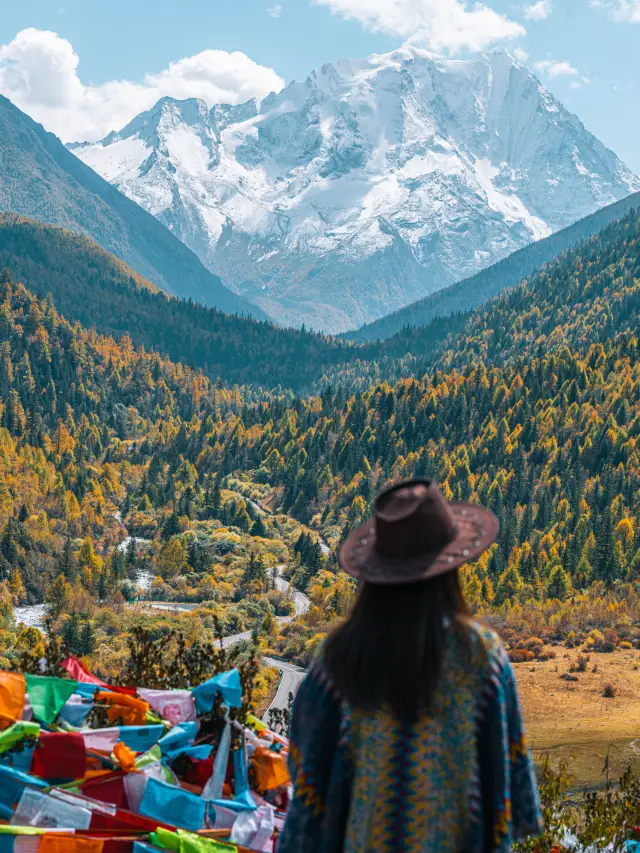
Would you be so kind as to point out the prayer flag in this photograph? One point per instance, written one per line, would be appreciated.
(48, 695)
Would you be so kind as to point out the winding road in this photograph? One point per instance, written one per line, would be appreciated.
(260, 508)
(290, 674)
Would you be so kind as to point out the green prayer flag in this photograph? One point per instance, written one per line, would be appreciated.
(9, 737)
(23, 830)
(151, 756)
(48, 695)
(188, 842)
(165, 839)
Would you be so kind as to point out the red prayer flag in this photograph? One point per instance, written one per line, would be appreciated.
(78, 671)
(59, 755)
(107, 789)
(124, 819)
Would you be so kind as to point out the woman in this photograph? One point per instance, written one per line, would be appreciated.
(407, 734)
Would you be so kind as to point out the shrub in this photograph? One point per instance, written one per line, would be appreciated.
(533, 643)
(595, 821)
(625, 644)
(581, 663)
(595, 640)
(603, 641)
(609, 691)
(611, 640)
(520, 655)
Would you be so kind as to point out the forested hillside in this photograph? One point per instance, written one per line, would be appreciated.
(467, 294)
(94, 288)
(532, 407)
(596, 276)
(70, 402)
(87, 431)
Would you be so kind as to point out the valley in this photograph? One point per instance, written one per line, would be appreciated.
(224, 328)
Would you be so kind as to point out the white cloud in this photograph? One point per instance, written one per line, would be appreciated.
(444, 25)
(538, 11)
(554, 68)
(620, 10)
(520, 54)
(275, 11)
(39, 73)
(578, 84)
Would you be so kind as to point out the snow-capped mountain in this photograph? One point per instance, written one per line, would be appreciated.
(367, 186)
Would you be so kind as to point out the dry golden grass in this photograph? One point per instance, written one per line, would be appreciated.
(572, 721)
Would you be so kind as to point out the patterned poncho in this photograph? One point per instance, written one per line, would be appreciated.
(458, 781)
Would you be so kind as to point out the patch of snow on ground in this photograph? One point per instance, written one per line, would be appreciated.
(123, 546)
(31, 615)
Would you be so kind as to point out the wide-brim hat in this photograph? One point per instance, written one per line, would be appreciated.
(416, 534)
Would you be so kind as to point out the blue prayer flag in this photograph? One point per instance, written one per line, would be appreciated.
(229, 686)
(141, 738)
(172, 805)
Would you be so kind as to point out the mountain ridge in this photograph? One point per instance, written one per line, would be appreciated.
(369, 183)
(94, 288)
(41, 179)
(472, 292)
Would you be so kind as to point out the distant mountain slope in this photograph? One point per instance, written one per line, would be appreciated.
(588, 294)
(40, 178)
(370, 184)
(467, 294)
(92, 287)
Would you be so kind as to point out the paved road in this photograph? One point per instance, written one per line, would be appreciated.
(290, 675)
(290, 680)
(300, 600)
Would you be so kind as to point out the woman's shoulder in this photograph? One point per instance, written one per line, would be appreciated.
(486, 645)
(317, 684)
(318, 710)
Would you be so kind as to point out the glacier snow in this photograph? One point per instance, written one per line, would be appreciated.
(368, 185)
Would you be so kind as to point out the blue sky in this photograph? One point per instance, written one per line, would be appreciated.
(587, 52)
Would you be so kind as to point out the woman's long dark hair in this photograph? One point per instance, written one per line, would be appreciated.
(388, 654)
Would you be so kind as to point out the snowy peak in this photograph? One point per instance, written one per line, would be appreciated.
(367, 185)
(225, 114)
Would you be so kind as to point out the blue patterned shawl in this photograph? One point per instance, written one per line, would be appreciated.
(459, 781)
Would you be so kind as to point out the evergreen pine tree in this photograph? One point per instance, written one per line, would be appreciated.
(87, 640)
(171, 526)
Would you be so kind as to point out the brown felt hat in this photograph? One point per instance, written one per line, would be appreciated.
(416, 534)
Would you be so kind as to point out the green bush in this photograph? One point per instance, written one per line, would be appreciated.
(596, 820)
